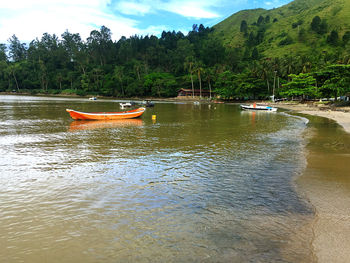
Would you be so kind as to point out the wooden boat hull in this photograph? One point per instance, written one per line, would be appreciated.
(78, 115)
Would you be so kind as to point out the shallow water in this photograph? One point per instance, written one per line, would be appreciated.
(326, 183)
(199, 184)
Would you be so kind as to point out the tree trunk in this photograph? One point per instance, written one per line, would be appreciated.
(209, 84)
(200, 84)
(192, 86)
(83, 69)
(42, 82)
(14, 76)
(71, 83)
(138, 73)
(121, 84)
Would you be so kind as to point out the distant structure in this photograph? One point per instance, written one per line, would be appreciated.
(188, 93)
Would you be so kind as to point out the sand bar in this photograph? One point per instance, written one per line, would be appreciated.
(326, 183)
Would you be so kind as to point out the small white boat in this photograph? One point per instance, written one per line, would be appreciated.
(258, 107)
(93, 98)
(124, 105)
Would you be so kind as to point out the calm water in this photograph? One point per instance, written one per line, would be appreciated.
(200, 184)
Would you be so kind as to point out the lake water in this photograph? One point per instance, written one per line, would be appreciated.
(202, 183)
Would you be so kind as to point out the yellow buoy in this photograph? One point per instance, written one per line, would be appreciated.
(154, 117)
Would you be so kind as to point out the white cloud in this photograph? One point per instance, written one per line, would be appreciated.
(133, 8)
(154, 30)
(193, 9)
(186, 8)
(30, 19)
(30, 4)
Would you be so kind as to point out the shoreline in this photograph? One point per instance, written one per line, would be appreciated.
(341, 116)
(326, 183)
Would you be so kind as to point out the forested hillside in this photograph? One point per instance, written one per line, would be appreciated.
(303, 28)
(301, 49)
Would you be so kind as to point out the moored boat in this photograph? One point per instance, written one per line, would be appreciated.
(126, 104)
(258, 107)
(78, 115)
(147, 103)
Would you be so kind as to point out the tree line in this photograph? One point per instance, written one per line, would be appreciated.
(151, 66)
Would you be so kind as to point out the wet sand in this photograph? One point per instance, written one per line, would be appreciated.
(326, 183)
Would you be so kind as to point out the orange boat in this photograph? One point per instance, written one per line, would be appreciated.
(78, 115)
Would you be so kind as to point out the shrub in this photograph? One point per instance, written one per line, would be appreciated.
(319, 25)
(81, 92)
(333, 38)
(346, 37)
(68, 91)
(287, 41)
(296, 24)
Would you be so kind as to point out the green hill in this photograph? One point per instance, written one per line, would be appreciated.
(287, 30)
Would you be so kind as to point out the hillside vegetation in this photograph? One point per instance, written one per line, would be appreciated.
(299, 50)
(287, 30)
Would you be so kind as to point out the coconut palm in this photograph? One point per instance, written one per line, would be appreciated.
(199, 68)
(188, 65)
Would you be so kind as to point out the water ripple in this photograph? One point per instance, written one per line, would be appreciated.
(200, 185)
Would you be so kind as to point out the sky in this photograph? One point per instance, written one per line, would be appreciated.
(29, 19)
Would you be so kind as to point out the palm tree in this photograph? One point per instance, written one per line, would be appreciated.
(208, 74)
(265, 71)
(288, 66)
(189, 66)
(198, 67)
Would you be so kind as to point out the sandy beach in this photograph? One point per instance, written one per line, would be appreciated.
(341, 115)
(326, 183)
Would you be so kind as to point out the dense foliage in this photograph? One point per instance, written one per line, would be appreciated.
(135, 66)
(144, 66)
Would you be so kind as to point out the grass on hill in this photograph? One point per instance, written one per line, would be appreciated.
(290, 23)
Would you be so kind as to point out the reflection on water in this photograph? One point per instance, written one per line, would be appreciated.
(99, 124)
(201, 184)
(254, 115)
